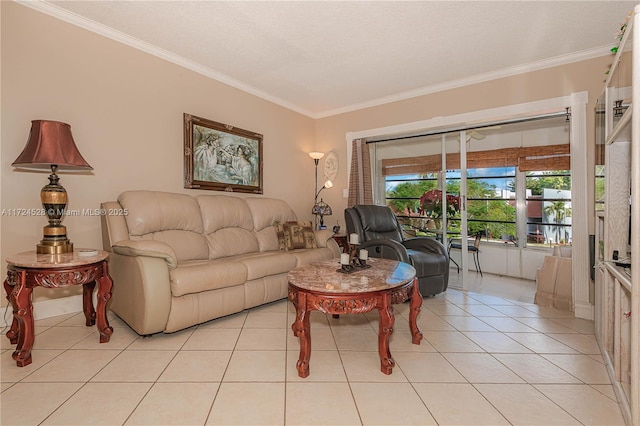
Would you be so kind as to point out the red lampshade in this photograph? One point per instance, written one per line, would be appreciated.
(50, 142)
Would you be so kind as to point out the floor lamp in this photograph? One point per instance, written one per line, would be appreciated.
(319, 209)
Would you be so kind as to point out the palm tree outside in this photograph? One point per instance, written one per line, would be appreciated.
(560, 212)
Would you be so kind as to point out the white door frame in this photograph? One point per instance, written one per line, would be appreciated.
(578, 141)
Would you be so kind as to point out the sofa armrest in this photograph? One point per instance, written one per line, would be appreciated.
(147, 248)
(386, 249)
(324, 238)
(141, 292)
(425, 244)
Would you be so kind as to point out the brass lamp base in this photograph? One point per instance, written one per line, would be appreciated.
(54, 240)
(54, 247)
(54, 202)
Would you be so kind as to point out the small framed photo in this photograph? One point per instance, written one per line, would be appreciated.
(221, 157)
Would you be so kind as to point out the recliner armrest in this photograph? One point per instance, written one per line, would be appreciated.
(384, 246)
(148, 248)
(425, 244)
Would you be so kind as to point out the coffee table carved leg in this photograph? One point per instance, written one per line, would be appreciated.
(23, 313)
(414, 306)
(12, 334)
(297, 323)
(105, 284)
(387, 319)
(302, 329)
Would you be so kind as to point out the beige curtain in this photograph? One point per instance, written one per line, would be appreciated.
(360, 189)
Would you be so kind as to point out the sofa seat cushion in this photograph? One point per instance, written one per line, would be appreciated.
(428, 263)
(264, 264)
(197, 276)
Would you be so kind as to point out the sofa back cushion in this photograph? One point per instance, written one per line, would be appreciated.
(228, 225)
(266, 213)
(171, 218)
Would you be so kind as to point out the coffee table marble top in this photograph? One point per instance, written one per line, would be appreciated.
(323, 276)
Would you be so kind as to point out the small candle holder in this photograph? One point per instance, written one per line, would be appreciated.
(353, 253)
(354, 260)
(346, 269)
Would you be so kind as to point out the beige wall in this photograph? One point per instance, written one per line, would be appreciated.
(125, 108)
(539, 85)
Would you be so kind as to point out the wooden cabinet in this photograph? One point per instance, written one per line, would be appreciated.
(617, 228)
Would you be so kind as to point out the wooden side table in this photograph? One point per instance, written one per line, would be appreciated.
(28, 270)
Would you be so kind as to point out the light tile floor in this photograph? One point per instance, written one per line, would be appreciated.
(489, 357)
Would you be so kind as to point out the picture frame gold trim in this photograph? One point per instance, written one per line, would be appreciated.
(221, 157)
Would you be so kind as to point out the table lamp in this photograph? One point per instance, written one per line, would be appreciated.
(321, 209)
(51, 146)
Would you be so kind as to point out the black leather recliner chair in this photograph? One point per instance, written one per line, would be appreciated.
(380, 233)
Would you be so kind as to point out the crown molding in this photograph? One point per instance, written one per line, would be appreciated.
(480, 78)
(87, 24)
(82, 22)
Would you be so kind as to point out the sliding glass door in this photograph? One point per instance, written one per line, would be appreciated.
(502, 193)
(423, 180)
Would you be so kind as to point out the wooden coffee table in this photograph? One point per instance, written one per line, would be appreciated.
(319, 286)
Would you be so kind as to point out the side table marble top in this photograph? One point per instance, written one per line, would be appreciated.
(31, 259)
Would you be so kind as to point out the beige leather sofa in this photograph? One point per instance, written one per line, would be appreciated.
(553, 280)
(178, 260)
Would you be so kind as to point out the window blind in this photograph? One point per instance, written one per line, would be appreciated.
(548, 157)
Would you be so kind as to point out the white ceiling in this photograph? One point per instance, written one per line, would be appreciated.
(325, 57)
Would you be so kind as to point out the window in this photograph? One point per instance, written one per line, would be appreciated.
(548, 205)
(518, 180)
(491, 202)
(599, 188)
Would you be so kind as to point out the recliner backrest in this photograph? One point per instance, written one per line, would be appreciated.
(372, 222)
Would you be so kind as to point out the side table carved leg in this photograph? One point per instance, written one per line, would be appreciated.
(23, 313)
(414, 306)
(12, 334)
(387, 319)
(105, 284)
(87, 303)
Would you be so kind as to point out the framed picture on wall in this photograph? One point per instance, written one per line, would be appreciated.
(221, 157)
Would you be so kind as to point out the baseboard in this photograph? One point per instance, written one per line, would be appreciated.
(584, 311)
(47, 308)
(625, 407)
